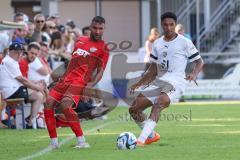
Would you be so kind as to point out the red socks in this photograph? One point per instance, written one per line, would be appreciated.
(50, 122)
(73, 121)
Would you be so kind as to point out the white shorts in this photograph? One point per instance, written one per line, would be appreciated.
(153, 91)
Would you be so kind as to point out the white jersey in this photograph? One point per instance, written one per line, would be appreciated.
(9, 70)
(33, 74)
(172, 57)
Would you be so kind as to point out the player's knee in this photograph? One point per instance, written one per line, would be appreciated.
(66, 102)
(49, 103)
(163, 101)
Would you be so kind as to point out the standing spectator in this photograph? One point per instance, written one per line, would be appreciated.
(180, 30)
(4, 43)
(146, 52)
(55, 19)
(18, 17)
(20, 34)
(39, 21)
(31, 28)
(71, 26)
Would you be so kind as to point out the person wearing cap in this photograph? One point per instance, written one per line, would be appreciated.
(13, 84)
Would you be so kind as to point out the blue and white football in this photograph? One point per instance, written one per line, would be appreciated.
(126, 140)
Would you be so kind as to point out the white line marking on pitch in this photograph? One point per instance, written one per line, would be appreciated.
(48, 149)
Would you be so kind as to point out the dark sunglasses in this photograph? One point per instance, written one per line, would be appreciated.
(38, 21)
(51, 27)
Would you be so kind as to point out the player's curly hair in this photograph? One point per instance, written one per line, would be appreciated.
(169, 15)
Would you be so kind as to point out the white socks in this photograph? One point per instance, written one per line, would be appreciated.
(54, 141)
(141, 125)
(147, 130)
(81, 139)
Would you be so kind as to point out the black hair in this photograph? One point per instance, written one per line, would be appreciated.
(98, 19)
(34, 45)
(85, 28)
(169, 15)
(18, 14)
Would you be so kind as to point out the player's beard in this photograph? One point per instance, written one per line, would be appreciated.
(96, 37)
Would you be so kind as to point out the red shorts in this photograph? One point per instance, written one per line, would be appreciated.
(61, 90)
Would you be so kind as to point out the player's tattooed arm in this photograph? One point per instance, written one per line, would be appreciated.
(147, 78)
(198, 65)
(96, 78)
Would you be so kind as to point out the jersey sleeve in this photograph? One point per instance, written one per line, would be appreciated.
(192, 52)
(154, 55)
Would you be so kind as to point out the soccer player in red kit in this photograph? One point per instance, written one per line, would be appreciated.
(89, 55)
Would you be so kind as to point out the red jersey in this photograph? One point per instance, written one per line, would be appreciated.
(87, 56)
(23, 64)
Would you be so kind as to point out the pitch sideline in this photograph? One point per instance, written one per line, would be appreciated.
(49, 149)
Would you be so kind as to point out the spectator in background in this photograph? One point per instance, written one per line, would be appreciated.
(18, 17)
(31, 28)
(68, 40)
(57, 46)
(4, 43)
(43, 56)
(71, 27)
(180, 30)
(26, 64)
(39, 21)
(21, 34)
(49, 28)
(86, 31)
(55, 19)
(144, 54)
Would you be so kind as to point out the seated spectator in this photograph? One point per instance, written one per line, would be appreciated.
(2, 108)
(13, 84)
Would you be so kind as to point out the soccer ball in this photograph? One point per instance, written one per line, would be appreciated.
(126, 140)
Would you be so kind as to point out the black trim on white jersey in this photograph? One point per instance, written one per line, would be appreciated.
(154, 57)
(193, 56)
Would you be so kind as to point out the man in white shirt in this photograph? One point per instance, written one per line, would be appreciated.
(167, 76)
(13, 84)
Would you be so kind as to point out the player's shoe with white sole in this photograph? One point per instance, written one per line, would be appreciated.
(54, 145)
(82, 145)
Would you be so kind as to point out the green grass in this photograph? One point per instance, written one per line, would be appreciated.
(211, 132)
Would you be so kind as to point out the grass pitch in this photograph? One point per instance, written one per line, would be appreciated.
(188, 132)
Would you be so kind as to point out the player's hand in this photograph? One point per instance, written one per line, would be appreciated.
(192, 77)
(133, 88)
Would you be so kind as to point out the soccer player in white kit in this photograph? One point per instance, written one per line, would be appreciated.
(165, 78)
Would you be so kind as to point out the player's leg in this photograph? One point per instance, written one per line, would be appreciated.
(136, 110)
(37, 100)
(66, 107)
(161, 103)
(50, 120)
